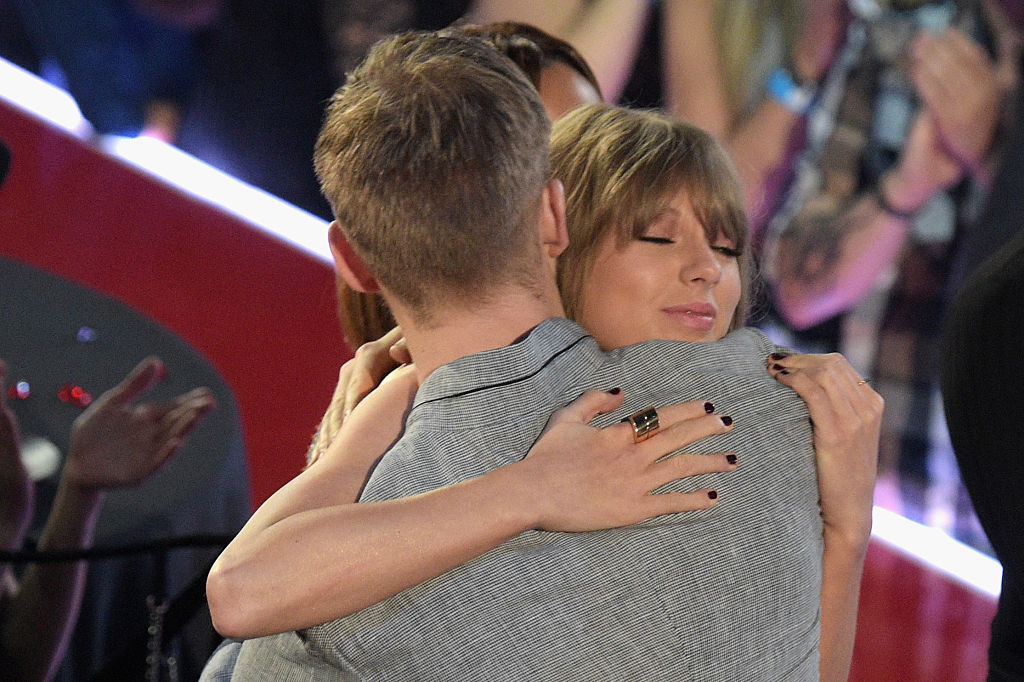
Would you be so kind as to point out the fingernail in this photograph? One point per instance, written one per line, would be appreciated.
(615, 391)
(777, 367)
(731, 459)
(709, 408)
(778, 356)
(712, 495)
(727, 420)
(783, 371)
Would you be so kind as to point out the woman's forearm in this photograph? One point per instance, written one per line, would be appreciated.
(607, 33)
(575, 478)
(846, 414)
(842, 566)
(39, 619)
(870, 242)
(365, 552)
(759, 146)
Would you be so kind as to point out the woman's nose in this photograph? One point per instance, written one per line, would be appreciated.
(702, 264)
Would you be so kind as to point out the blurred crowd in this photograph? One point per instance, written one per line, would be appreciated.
(866, 134)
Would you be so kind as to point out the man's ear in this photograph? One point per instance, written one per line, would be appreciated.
(554, 233)
(348, 264)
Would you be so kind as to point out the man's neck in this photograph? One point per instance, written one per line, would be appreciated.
(459, 331)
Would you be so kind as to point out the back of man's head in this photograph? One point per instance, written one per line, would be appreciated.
(433, 156)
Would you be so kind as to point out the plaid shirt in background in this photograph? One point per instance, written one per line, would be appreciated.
(866, 104)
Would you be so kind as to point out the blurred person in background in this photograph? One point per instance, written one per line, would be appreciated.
(115, 442)
(980, 364)
(898, 158)
(130, 64)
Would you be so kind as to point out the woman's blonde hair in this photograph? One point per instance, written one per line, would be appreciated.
(621, 167)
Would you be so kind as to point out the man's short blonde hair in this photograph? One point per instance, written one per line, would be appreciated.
(621, 167)
(433, 157)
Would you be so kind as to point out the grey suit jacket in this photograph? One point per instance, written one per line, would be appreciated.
(729, 593)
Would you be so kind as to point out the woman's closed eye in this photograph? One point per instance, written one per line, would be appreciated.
(726, 251)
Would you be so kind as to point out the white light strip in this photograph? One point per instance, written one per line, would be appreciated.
(938, 551)
(264, 210)
(279, 218)
(27, 91)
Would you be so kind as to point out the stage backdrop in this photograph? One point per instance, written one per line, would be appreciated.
(258, 309)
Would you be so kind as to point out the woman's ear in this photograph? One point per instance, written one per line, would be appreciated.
(554, 232)
(349, 265)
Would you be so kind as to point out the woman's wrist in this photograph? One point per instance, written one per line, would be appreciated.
(529, 502)
(851, 537)
(804, 69)
(73, 516)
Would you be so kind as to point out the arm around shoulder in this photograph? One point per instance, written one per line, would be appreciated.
(310, 555)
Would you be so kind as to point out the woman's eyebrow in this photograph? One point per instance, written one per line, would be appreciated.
(666, 211)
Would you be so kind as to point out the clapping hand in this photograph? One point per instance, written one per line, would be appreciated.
(118, 442)
(958, 85)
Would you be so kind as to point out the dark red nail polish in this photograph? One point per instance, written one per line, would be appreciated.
(778, 356)
(783, 371)
(731, 459)
(777, 367)
(727, 420)
(615, 391)
(712, 495)
(709, 408)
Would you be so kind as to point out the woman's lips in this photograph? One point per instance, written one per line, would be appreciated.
(698, 316)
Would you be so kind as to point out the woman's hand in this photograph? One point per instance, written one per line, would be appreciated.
(958, 84)
(367, 368)
(847, 416)
(588, 478)
(369, 365)
(370, 430)
(117, 443)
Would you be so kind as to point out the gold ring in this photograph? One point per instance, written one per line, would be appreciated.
(863, 381)
(645, 424)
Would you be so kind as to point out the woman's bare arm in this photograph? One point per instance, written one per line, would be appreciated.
(695, 89)
(847, 416)
(606, 32)
(310, 555)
